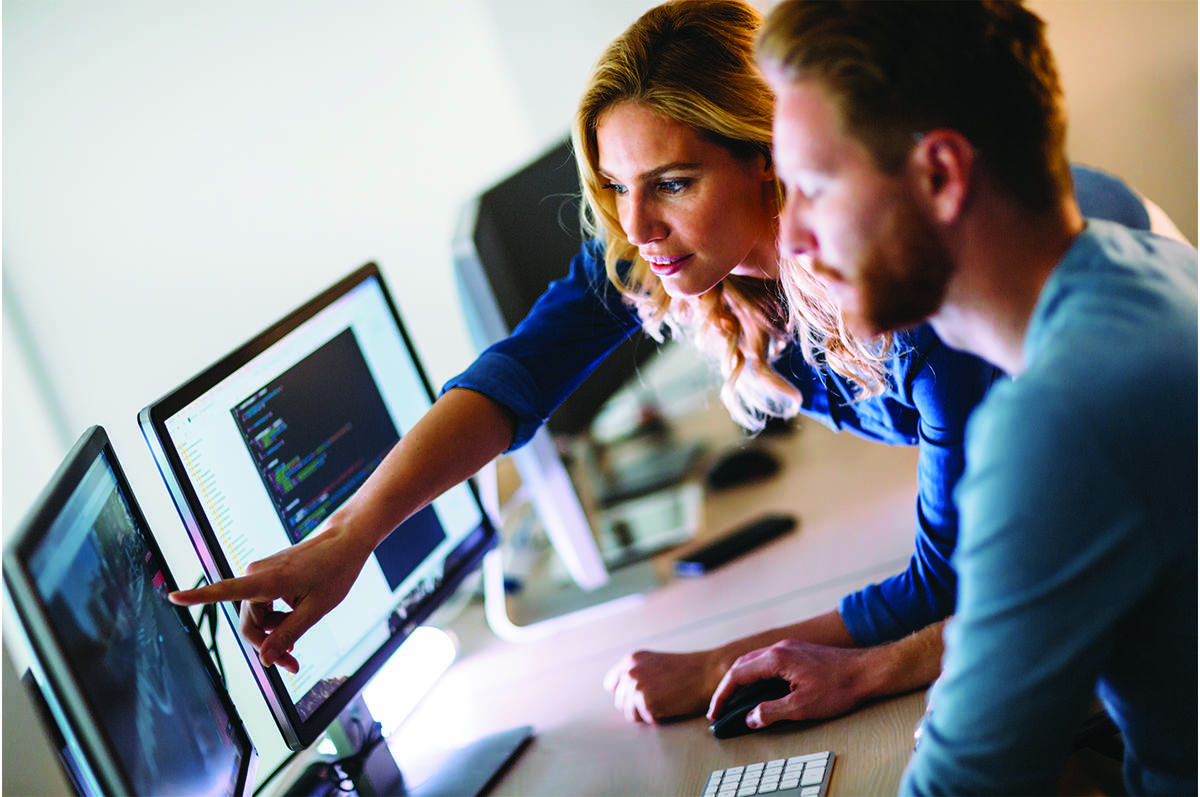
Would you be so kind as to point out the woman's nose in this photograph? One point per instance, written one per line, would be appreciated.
(642, 224)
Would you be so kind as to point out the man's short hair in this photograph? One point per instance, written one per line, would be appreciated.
(897, 69)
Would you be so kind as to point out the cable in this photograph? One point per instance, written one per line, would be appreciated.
(351, 766)
(208, 617)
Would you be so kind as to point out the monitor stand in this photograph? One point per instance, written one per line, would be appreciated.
(467, 770)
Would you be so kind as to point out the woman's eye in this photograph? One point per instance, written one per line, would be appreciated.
(619, 190)
(673, 186)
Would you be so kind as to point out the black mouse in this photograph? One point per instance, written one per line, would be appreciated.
(742, 466)
(732, 720)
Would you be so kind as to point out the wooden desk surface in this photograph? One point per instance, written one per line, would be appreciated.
(856, 503)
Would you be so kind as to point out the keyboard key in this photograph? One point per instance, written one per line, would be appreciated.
(803, 775)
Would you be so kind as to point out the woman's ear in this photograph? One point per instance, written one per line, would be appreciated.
(943, 164)
(768, 169)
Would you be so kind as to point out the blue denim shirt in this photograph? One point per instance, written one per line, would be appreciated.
(581, 318)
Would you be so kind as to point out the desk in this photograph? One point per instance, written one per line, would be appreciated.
(849, 536)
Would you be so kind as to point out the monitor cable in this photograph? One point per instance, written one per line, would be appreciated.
(207, 619)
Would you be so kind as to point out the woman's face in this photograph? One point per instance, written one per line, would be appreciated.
(694, 211)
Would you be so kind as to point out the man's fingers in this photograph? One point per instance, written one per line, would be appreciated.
(769, 712)
(748, 669)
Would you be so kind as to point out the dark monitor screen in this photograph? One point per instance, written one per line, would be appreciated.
(260, 448)
(513, 240)
(123, 673)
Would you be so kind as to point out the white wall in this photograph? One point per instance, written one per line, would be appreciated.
(178, 175)
(1128, 69)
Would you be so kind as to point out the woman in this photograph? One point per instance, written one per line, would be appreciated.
(673, 139)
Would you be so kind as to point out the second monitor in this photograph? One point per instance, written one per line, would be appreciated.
(263, 446)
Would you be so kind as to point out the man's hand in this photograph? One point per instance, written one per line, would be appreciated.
(311, 577)
(826, 681)
(651, 687)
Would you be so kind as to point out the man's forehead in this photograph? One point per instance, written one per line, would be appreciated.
(808, 131)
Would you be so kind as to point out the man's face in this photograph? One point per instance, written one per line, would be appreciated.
(858, 229)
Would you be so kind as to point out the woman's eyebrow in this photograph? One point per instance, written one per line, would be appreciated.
(655, 172)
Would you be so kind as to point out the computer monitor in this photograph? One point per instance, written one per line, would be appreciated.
(261, 447)
(136, 705)
(512, 240)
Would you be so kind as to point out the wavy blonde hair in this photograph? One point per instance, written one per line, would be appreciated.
(692, 61)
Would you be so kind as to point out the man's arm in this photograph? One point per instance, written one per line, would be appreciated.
(828, 681)
(832, 675)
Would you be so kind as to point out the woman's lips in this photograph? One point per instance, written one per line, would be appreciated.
(666, 266)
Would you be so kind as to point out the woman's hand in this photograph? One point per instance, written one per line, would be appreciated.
(311, 577)
(651, 687)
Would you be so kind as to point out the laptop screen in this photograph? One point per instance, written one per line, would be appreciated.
(124, 673)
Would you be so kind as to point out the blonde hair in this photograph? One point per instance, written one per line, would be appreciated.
(692, 61)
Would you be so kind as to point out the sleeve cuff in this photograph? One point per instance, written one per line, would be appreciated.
(503, 379)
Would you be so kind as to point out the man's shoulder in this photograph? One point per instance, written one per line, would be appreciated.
(1124, 297)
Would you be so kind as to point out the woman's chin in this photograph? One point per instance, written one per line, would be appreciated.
(680, 287)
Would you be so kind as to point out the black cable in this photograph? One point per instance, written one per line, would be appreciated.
(344, 771)
(208, 617)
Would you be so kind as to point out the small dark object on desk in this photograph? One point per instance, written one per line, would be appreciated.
(732, 719)
(742, 467)
(734, 544)
(318, 779)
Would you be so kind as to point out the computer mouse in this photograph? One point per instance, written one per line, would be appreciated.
(742, 466)
(732, 720)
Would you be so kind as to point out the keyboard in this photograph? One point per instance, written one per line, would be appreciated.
(802, 775)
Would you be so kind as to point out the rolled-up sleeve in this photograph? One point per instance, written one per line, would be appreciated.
(575, 324)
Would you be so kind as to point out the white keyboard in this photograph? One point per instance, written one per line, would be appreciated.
(802, 775)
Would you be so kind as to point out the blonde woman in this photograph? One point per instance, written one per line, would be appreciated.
(673, 142)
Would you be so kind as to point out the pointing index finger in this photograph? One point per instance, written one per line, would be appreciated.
(228, 589)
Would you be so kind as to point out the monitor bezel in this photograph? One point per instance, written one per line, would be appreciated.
(88, 757)
(297, 733)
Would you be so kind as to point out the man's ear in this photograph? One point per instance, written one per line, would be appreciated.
(943, 164)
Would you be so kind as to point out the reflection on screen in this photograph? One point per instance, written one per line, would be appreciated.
(106, 598)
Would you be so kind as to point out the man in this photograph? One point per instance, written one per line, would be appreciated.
(922, 148)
